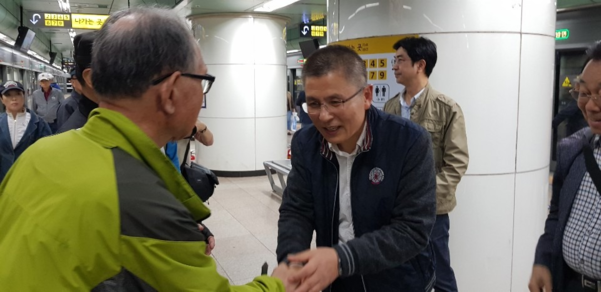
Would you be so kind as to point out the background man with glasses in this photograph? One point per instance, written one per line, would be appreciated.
(363, 180)
(107, 205)
(568, 254)
(442, 117)
(571, 113)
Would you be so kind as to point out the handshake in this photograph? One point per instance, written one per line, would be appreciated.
(309, 271)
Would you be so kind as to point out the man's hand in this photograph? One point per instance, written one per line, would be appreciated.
(540, 280)
(320, 270)
(283, 272)
(210, 240)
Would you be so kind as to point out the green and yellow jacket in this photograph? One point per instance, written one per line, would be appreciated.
(103, 203)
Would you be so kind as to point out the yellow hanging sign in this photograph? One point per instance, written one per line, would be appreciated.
(88, 21)
(373, 45)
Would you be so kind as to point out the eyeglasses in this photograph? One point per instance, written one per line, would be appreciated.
(332, 106)
(585, 97)
(206, 80)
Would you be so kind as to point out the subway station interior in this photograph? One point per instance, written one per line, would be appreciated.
(511, 64)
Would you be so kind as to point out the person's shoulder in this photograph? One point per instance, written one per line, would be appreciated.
(386, 124)
(308, 137)
(574, 141)
(441, 98)
(394, 99)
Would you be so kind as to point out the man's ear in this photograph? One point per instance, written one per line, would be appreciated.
(87, 76)
(421, 66)
(368, 95)
(167, 93)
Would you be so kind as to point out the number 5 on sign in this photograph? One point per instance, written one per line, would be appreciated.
(381, 75)
(373, 75)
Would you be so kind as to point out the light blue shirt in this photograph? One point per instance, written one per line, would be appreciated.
(406, 108)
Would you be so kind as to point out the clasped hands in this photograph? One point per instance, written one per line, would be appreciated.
(309, 271)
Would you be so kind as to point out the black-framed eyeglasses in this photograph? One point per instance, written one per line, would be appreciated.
(314, 107)
(206, 80)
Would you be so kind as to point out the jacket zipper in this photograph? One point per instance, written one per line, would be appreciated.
(357, 156)
(15, 133)
(335, 198)
(334, 208)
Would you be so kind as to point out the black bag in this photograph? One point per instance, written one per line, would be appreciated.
(202, 180)
(589, 159)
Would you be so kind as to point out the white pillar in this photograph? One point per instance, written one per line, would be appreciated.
(246, 107)
(495, 58)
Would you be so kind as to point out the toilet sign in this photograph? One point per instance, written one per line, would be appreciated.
(378, 56)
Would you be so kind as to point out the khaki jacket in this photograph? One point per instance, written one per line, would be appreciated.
(443, 118)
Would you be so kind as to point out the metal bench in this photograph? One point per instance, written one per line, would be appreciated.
(281, 168)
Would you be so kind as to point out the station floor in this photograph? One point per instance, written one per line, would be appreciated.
(244, 221)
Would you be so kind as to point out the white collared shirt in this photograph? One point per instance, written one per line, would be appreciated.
(406, 108)
(346, 229)
(17, 126)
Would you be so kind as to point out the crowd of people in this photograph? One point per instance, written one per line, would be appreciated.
(94, 202)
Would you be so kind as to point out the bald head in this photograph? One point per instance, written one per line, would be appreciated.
(136, 46)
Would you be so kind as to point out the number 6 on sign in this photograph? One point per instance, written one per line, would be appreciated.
(381, 75)
(373, 75)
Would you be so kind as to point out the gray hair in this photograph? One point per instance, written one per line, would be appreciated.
(126, 58)
(336, 58)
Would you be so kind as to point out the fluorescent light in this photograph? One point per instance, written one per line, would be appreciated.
(273, 5)
(64, 6)
(7, 39)
(292, 51)
(323, 46)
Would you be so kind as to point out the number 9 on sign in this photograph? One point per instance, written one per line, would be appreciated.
(381, 75)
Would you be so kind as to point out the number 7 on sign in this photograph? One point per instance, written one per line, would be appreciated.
(373, 75)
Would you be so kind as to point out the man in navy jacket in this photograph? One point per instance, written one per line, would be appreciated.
(364, 181)
(568, 254)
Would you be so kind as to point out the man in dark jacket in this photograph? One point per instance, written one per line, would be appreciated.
(571, 113)
(88, 100)
(305, 120)
(370, 195)
(67, 107)
(567, 257)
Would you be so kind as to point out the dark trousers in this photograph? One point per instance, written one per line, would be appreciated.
(445, 277)
(573, 283)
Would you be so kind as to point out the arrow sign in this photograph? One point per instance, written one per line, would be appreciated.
(305, 30)
(34, 20)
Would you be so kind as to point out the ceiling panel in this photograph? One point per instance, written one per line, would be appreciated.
(296, 12)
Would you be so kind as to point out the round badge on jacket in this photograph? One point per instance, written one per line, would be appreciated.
(376, 176)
